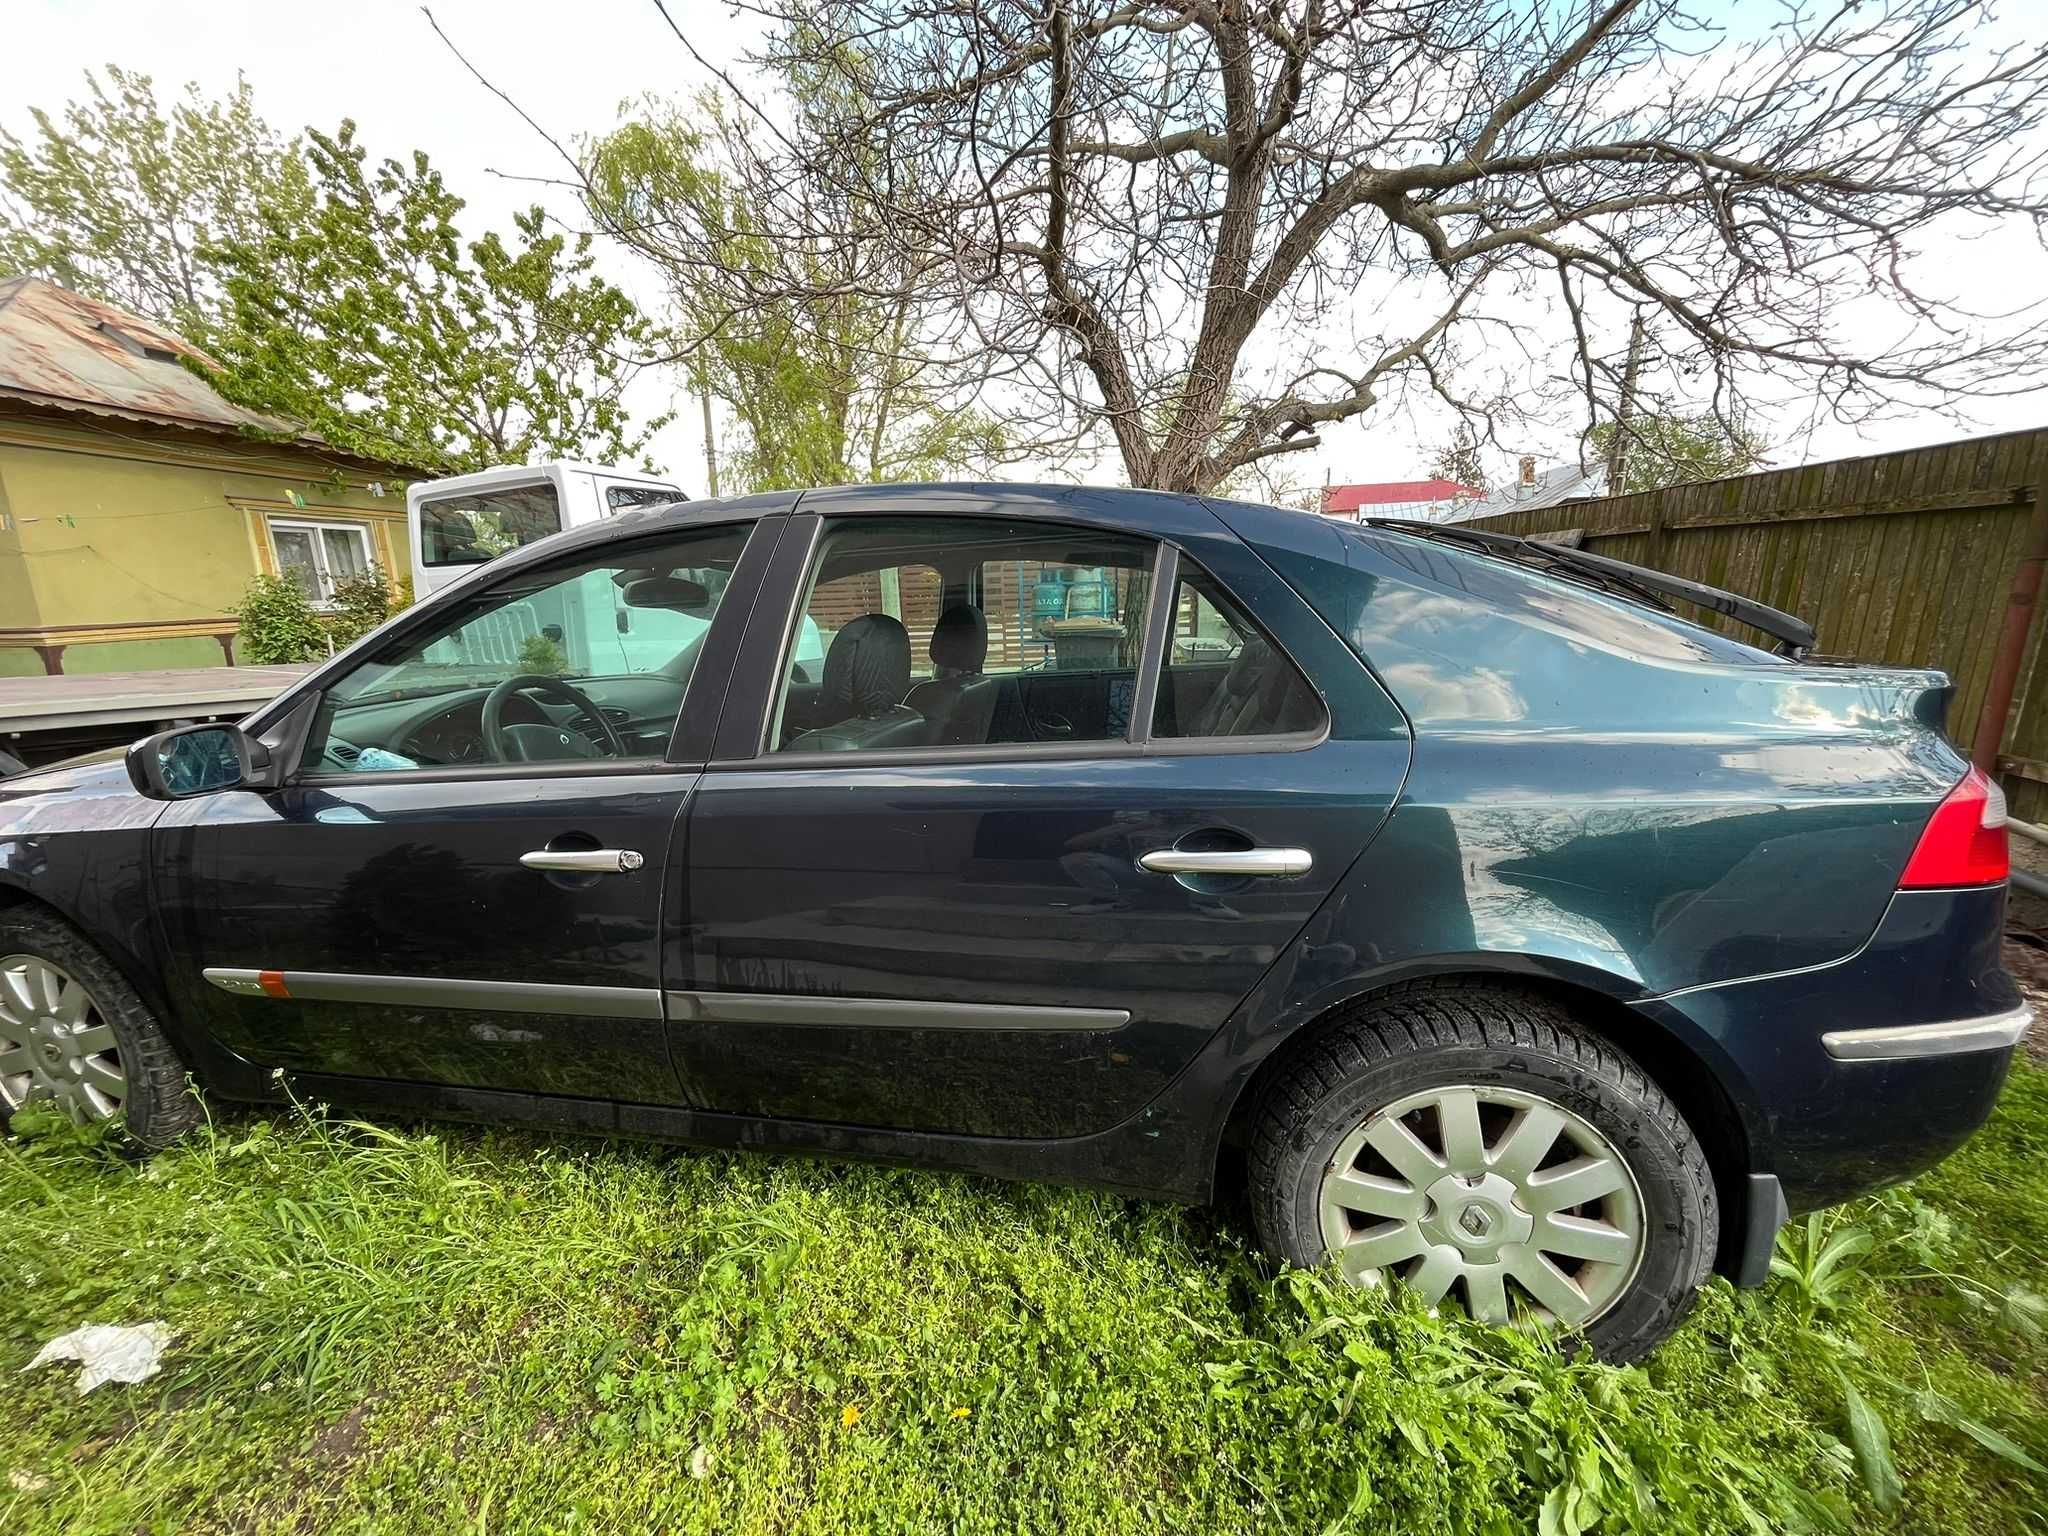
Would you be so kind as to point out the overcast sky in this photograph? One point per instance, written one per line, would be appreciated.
(573, 65)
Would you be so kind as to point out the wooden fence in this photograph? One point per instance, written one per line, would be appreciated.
(1900, 557)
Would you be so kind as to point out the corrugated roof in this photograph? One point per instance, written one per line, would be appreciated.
(1389, 493)
(61, 351)
(1561, 482)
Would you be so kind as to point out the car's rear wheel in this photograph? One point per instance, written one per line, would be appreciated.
(1479, 1146)
(73, 1033)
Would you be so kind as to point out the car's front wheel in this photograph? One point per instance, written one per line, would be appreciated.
(74, 1033)
(1478, 1145)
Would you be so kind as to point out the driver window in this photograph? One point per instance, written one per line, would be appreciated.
(584, 660)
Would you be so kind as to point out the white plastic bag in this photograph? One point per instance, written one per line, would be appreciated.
(108, 1353)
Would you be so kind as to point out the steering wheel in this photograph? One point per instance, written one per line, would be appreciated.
(539, 743)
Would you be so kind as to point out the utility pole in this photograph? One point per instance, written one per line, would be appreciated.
(710, 442)
(1617, 451)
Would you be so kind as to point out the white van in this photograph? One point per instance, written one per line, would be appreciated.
(456, 524)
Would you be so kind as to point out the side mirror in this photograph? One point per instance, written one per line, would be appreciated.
(195, 760)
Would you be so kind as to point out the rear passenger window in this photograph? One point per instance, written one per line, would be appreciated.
(963, 632)
(1223, 676)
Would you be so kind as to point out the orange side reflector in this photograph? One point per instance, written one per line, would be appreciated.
(272, 983)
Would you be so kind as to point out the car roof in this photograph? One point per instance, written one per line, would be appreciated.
(1139, 511)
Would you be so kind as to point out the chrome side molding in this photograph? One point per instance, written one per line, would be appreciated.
(648, 1002)
(885, 1012)
(1948, 1037)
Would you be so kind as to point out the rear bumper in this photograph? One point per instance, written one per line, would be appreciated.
(1848, 1077)
(1947, 1037)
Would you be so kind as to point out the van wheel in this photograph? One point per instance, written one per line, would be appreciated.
(73, 1033)
(1477, 1145)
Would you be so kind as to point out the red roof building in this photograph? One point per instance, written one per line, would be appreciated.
(1346, 500)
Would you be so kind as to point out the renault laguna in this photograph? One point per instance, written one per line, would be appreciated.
(1522, 941)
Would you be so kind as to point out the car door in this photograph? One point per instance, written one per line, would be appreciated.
(1032, 933)
(452, 892)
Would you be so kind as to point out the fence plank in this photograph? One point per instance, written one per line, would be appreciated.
(1901, 557)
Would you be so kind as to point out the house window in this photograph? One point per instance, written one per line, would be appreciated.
(318, 555)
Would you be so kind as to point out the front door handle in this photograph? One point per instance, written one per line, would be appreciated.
(583, 861)
(1235, 861)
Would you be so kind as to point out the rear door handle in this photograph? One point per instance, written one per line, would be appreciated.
(583, 861)
(1236, 861)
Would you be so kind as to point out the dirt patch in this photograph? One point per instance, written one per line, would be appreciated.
(342, 1441)
(313, 1474)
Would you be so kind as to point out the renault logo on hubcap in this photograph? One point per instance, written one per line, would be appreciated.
(1476, 1221)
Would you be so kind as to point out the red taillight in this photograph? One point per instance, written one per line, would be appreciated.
(1964, 843)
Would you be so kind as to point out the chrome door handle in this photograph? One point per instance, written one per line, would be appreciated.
(1237, 861)
(583, 861)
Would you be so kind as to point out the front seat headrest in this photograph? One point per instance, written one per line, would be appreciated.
(960, 641)
(867, 670)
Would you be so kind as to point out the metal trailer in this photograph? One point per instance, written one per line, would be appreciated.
(47, 719)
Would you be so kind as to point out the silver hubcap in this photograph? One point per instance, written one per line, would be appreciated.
(54, 1043)
(1493, 1190)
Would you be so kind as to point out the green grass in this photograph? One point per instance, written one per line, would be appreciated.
(403, 1331)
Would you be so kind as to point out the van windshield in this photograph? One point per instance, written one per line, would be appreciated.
(470, 527)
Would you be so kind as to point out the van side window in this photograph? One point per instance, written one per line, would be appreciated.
(624, 498)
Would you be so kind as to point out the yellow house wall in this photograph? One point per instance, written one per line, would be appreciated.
(15, 596)
(128, 548)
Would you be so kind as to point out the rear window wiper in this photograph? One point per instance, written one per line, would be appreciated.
(1516, 548)
(1794, 635)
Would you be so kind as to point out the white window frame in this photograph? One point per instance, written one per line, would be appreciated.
(322, 577)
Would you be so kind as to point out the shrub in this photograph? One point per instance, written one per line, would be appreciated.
(278, 624)
(361, 603)
(543, 657)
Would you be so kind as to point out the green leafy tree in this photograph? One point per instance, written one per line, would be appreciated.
(337, 293)
(372, 320)
(1662, 450)
(839, 378)
(120, 196)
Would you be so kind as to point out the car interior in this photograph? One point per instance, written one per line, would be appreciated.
(1057, 662)
(581, 663)
(934, 633)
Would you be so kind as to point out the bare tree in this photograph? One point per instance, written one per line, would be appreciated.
(1214, 227)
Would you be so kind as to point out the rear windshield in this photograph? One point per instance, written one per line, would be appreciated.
(474, 526)
(1588, 614)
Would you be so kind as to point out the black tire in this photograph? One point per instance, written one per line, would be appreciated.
(159, 1106)
(1433, 1035)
